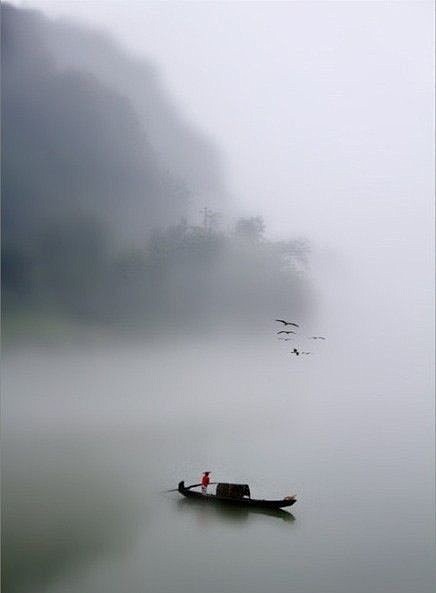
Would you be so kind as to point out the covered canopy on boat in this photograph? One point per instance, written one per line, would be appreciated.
(232, 490)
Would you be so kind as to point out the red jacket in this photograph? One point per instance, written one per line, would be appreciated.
(205, 481)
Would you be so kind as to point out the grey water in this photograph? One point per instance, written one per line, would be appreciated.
(95, 432)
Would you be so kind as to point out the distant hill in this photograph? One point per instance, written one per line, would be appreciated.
(102, 183)
(89, 130)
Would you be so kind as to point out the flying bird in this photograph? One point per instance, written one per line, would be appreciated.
(306, 352)
(287, 322)
(286, 339)
(317, 338)
(285, 332)
(295, 351)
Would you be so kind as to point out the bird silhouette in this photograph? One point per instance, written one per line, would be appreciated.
(285, 332)
(317, 338)
(287, 322)
(306, 352)
(295, 351)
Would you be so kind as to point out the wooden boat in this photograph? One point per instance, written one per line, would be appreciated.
(234, 513)
(235, 500)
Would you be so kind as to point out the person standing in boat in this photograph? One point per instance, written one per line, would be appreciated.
(205, 480)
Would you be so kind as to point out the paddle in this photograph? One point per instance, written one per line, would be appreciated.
(188, 487)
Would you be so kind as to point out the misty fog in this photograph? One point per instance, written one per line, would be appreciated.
(175, 178)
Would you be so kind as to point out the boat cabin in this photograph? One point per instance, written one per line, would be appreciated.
(233, 490)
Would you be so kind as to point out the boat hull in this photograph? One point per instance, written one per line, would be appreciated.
(240, 502)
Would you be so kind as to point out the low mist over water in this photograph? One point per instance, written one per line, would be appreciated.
(177, 178)
(95, 435)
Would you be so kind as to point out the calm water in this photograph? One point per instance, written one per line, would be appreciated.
(93, 435)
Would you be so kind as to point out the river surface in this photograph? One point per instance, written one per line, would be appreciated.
(94, 433)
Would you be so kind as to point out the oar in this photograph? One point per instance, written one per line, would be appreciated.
(188, 487)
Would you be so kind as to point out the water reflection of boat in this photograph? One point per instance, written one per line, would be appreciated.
(237, 500)
(232, 513)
